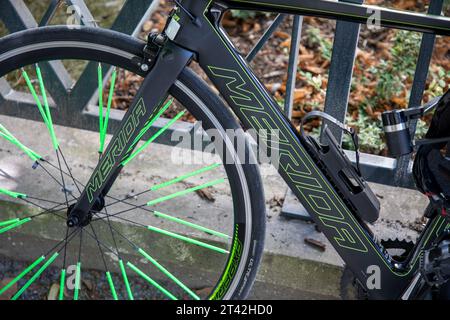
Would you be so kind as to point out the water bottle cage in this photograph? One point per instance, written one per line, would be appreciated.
(344, 176)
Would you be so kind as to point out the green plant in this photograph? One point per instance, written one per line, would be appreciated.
(314, 81)
(393, 75)
(370, 134)
(243, 14)
(314, 38)
(439, 79)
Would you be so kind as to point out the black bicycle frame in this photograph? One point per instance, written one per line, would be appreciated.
(200, 32)
(195, 29)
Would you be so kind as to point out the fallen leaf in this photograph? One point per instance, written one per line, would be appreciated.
(281, 35)
(205, 194)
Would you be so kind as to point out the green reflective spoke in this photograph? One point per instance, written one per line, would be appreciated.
(49, 121)
(13, 194)
(62, 284)
(22, 274)
(125, 279)
(4, 133)
(36, 275)
(14, 225)
(168, 274)
(153, 138)
(184, 177)
(151, 281)
(45, 113)
(151, 122)
(35, 96)
(184, 192)
(186, 239)
(100, 104)
(7, 222)
(190, 224)
(104, 130)
(111, 285)
(77, 282)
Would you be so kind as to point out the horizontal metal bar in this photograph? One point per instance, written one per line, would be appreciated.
(390, 18)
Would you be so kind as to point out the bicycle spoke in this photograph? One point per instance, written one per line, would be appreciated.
(45, 200)
(41, 207)
(46, 211)
(187, 239)
(62, 285)
(184, 192)
(62, 180)
(190, 224)
(168, 274)
(104, 119)
(123, 201)
(108, 275)
(153, 138)
(4, 133)
(22, 274)
(44, 110)
(56, 180)
(111, 285)
(68, 169)
(184, 177)
(36, 275)
(107, 196)
(151, 281)
(63, 270)
(13, 194)
(121, 265)
(32, 266)
(15, 225)
(125, 280)
(49, 119)
(7, 222)
(156, 264)
(171, 182)
(150, 123)
(100, 104)
(170, 218)
(78, 271)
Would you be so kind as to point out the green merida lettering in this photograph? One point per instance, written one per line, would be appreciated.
(292, 163)
(114, 153)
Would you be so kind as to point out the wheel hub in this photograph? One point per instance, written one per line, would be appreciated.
(83, 219)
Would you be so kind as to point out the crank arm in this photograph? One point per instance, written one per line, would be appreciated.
(147, 103)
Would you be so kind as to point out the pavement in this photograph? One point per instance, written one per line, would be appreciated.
(291, 269)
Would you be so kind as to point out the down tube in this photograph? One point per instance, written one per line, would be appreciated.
(256, 109)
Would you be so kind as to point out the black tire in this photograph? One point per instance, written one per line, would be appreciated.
(59, 42)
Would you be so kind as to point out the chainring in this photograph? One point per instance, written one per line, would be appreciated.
(351, 288)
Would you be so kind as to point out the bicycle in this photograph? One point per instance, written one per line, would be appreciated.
(340, 202)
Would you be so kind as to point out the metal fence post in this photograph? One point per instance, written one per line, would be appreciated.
(403, 171)
(338, 91)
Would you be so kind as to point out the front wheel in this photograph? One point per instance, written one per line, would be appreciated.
(169, 228)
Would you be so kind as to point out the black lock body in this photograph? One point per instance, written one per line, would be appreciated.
(351, 185)
(398, 137)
